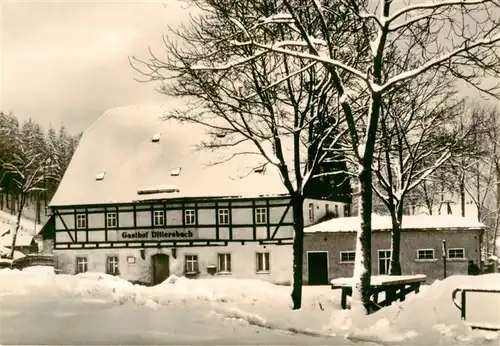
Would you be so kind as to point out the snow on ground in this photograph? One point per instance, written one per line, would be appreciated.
(423, 319)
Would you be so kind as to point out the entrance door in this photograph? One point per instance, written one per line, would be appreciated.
(317, 266)
(161, 268)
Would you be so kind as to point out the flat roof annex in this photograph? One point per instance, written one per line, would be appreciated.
(410, 222)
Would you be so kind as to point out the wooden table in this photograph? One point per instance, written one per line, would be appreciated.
(394, 287)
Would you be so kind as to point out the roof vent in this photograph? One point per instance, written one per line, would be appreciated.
(175, 172)
(100, 176)
(156, 137)
(158, 189)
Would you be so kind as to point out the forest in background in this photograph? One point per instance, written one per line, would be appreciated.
(32, 164)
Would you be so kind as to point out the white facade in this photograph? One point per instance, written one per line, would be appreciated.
(135, 261)
(133, 267)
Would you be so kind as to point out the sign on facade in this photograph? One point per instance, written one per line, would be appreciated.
(158, 235)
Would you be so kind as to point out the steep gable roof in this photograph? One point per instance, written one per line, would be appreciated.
(132, 154)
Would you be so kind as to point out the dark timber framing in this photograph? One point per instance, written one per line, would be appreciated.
(254, 219)
(65, 226)
(217, 220)
(214, 204)
(289, 205)
(268, 219)
(174, 201)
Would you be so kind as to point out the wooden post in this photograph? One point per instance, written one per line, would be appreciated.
(463, 303)
(444, 259)
(343, 302)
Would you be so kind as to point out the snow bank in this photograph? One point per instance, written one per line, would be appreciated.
(423, 319)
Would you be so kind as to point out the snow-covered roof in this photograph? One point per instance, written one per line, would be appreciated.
(8, 222)
(421, 222)
(23, 238)
(5, 251)
(119, 144)
(380, 280)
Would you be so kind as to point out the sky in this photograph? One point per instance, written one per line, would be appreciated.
(67, 61)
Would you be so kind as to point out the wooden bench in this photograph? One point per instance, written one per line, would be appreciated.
(394, 287)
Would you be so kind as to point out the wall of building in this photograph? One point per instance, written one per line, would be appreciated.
(130, 218)
(132, 267)
(321, 208)
(411, 241)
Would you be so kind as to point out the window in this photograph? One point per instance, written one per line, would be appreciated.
(111, 220)
(311, 212)
(336, 210)
(191, 264)
(223, 216)
(347, 256)
(189, 216)
(224, 263)
(263, 262)
(384, 261)
(81, 265)
(456, 253)
(425, 254)
(158, 218)
(260, 215)
(327, 209)
(112, 265)
(81, 221)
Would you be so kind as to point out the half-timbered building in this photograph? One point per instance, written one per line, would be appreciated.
(141, 200)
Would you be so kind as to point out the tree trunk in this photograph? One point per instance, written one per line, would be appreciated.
(13, 204)
(427, 199)
(38, 209)
(363, 267)
(462, 194)
(497, 216)
(397, 219)
(18, 224)
(298, 250)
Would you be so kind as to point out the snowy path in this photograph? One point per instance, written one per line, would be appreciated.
(50, 319)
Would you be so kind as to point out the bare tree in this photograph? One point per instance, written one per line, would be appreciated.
(481, 172)
(287, 109)
(458, 38)
(27, 173)
(471, 173)
(415, 140)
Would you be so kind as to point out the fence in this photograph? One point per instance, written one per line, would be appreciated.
(463, 307)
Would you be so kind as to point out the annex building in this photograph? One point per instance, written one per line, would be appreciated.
(330, 246)
(142, 201)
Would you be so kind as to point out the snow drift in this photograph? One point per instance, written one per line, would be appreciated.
(426, 318)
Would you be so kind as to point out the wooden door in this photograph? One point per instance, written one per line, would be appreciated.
(161, 268)
(317, 266)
